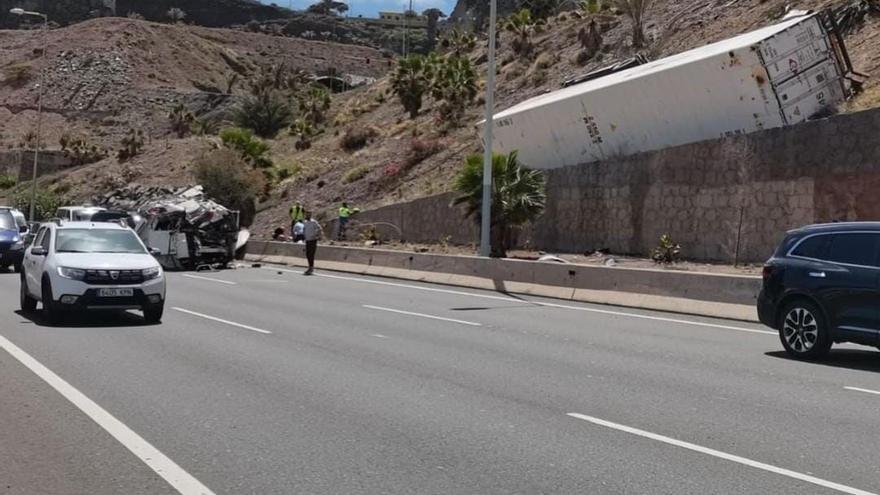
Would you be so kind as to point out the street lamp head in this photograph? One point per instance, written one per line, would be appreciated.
(16, 11)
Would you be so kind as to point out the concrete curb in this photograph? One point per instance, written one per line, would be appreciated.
(721, 296)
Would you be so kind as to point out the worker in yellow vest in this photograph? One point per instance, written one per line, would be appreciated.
(344, 214)
(297, 215)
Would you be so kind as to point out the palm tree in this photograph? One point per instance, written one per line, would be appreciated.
(635, 10)
(181, 120)
(517, 195)
(265, 112)
(328, 7)
(313, 104)
(410, 81)
(454, 86)
(433, 15)
(522, 26)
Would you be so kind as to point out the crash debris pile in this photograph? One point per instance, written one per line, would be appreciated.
(189, 230)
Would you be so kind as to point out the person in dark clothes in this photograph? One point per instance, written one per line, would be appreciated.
(312, 233)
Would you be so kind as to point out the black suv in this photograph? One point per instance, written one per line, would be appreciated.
(822, 286)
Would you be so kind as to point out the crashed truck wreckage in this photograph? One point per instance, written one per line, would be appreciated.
(188, 230)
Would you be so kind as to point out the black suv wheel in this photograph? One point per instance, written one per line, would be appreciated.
(803, 330)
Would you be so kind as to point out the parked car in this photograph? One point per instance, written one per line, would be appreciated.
(77, 213)
(822, 286)
(83, 266)
(13, 230)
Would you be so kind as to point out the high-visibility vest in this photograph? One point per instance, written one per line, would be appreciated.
(344, 212)
(297, 213)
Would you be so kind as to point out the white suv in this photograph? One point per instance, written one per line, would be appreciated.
(87, 266)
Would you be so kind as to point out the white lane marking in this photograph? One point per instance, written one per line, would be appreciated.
(227, 282)
(179, 479)
(544, 304)
(723, 455)
(380, 336)
(390, 310)
(221, 320)
(865, 390)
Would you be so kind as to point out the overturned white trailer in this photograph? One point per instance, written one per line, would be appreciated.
(775, 76)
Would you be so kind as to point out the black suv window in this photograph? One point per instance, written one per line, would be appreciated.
(813, 247)
(853, 249)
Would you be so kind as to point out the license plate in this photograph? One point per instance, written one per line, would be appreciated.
(115, 292)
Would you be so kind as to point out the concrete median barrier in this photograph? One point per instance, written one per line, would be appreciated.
(707, 294)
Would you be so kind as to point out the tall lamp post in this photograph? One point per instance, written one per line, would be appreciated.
(22, 12)
(486, 214)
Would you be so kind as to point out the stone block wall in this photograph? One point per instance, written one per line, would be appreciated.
(716, 198)
(425, 220)
(708, 194)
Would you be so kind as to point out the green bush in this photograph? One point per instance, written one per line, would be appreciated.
(7, 181)
(357, 137)
(47, 202)
(251, 148)
(356, 174)
(132, 144)
(667, 252)
(17, 75)
(228, 179)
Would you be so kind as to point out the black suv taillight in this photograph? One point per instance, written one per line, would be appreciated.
(767, 272)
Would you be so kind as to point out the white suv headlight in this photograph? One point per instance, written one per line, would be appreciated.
(72, 273)
(151, 273)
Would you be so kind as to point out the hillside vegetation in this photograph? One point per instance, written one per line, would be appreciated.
(366, 149)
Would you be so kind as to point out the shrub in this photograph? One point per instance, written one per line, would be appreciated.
(422, 149)
(410, 81)
(356, 174)
(181, 120)
(667, 252)
(47, 202)
(304, 131)
(522, 25)
(7, 181)
(17, 75)
(357, 137)
(266, 112)
(132, 144)
(313, 105)
(205, 127)
(176, 15)
(392, 170)
(135, 15)
(252, 150)
(227, 178)
(79, 150)
(635, 10)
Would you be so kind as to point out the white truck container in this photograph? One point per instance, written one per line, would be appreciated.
(775, 76)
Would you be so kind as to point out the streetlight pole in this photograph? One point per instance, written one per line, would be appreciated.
(17, 11)
(486, 214)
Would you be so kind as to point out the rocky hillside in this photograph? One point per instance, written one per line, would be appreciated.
(211, 13)
(151, 66)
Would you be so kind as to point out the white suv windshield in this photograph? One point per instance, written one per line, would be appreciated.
(97, 241)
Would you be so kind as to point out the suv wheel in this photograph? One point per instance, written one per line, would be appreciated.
(28, 303)
(153, 313)
(803, 331)
(53, 314)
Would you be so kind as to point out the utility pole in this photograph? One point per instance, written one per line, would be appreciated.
(486, 214)
(22, 12)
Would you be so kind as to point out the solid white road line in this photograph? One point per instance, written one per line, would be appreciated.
(865, 390)
(227, 282)
(723, 455)
(221, 320)
(380, 308)
(539, 303)
(179, 479)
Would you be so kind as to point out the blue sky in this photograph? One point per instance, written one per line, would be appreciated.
(369, 8)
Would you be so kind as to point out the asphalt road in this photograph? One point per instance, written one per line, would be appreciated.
(261, 381)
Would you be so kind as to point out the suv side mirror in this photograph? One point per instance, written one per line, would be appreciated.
(23, 229)
(154, 251)
(38, 251)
